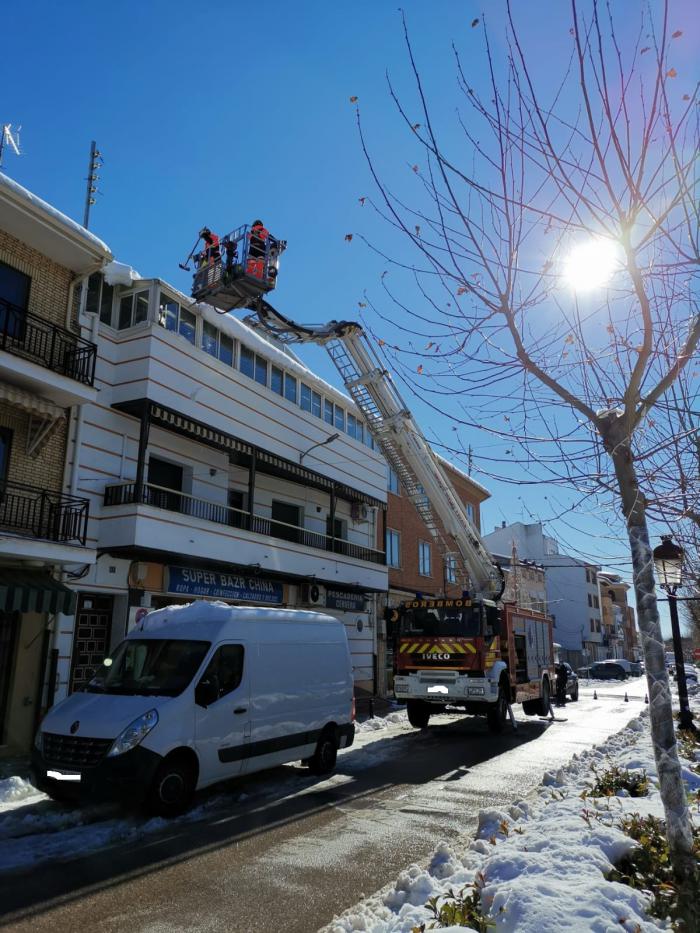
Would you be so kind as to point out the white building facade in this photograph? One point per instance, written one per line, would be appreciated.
(217, 466)
(573, 598)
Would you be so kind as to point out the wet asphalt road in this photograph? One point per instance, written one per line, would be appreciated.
(286, 851)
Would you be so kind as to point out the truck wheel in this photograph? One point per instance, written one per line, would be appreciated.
(574, 694)
(418, 713)
(498, 714)
(172, 789)
(323, 759)
(545, 699)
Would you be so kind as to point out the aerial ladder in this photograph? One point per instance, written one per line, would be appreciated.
(402, 443)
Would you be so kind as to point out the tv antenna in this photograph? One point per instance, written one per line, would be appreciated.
(9, 138)
(96, 161)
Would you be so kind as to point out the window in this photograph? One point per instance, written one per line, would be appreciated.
(226, 668)
(393, 484)
(247, 362)
(133, 309)
(99, 298)
(140, 307)
(451, 569)
(286, 521)
(424, 559)
(5, 447)
(369, 440)
(125, 306)
(277, 380)
(187, 325)
(470, 512)
(305, 397)
(236, 509)
(339, 417)
(168, 312)
(592, 621)
(596, 603)
(316, 404)
(290, 388)
(352, 425)
(590, 600)
(210, 338)
(360, 432)
(339, 529)
(226, 349)
(328, 411)
(393, 548)
(261, 370)
(106, 303)
(14, 286)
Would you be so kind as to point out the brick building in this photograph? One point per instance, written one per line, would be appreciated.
(46, 375)
(413, 558)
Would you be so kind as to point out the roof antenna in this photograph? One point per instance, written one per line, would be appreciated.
(96, 161)
(10, 139)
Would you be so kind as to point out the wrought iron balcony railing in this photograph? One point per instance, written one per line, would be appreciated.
(30, 336)
(175, 501)
(28, 510)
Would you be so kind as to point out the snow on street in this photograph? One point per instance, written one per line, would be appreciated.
(306, 848)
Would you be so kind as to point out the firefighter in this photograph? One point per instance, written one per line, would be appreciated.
(257, 249)
(211, 252)
(561, 685)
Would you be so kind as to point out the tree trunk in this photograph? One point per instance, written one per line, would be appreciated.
(672, 789)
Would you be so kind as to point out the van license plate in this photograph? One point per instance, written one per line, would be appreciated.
(64, 775)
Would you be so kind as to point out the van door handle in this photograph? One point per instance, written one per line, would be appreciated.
(240, 709)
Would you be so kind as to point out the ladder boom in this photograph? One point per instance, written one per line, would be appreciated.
(401, 441)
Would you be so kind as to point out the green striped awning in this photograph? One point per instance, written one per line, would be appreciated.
(23, 591)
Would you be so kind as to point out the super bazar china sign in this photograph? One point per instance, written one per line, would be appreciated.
(193, 582)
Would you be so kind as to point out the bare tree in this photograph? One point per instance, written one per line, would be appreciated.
(542, 187)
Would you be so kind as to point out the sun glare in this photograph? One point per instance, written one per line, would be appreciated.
(591, 264)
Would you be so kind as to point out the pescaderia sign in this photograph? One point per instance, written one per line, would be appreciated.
(191, 581)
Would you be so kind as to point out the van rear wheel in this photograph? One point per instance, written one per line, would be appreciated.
(323, 759)
(172, 789)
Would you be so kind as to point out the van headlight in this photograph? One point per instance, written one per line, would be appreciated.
(134, 734)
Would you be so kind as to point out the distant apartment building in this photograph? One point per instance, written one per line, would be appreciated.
(415, 562)
(524, 582)
(573, 596)
(217, 466)
(619, 626)
(46, 378)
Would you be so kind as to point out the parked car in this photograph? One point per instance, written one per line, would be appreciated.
(633, 668)
(198, 694)
(571, 680)
(691, 674)
(607, 670)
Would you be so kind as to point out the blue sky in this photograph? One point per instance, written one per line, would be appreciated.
(215, 115)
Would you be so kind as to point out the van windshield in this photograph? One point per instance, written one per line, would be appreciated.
(149, 666)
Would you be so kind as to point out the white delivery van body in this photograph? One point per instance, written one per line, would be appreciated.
(198, 694)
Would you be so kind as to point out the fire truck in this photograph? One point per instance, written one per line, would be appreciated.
(474, 653)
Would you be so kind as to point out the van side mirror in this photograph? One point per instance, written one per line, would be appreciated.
(207, 691)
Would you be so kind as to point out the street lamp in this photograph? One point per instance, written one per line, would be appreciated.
(328, 440)
(668, 564)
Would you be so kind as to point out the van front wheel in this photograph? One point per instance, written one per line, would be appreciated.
(323, 759)
(172, 788)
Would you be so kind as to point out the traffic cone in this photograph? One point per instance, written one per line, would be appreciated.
(627, 699)
(595, 695)
(646, 698)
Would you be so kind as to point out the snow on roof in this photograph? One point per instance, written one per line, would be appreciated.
(462, 473)
(208, 618)
(119, 273)
(15, 190)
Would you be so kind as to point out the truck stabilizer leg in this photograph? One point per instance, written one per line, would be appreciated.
(512, 718)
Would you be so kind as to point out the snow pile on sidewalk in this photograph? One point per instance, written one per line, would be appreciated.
(377, 723)
(541, 865)
(14, 789)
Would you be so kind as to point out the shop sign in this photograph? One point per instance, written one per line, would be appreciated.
(348, 602)
(216, 585)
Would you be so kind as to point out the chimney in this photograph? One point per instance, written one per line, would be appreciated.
(503, 524)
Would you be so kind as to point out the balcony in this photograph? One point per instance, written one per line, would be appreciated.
(50, 516)
(45, 358)
(201, 509)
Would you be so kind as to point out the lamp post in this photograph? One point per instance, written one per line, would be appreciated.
(328, 440)
(668, 563)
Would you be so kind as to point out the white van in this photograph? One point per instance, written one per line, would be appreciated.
(198, 694)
